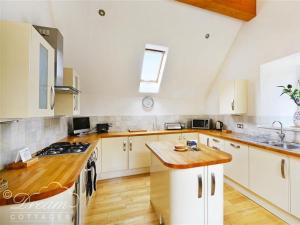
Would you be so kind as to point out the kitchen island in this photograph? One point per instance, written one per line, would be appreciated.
(187, 187)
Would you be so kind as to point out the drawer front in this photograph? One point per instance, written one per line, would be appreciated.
(237, 169)
(216, 143)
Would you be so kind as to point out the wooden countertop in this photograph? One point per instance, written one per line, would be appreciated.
(164, 151)
(65, 169)
(51, 175)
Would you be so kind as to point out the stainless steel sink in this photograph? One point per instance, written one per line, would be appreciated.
(287, 146)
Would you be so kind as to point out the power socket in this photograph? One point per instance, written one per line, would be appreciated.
(240, 125)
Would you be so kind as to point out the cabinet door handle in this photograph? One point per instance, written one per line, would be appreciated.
(207, 141)
(232, 105)
(200, 186)
(235, 146)
(52, 98)
(214, 147)
(216, 140)
(124, 146)
(75, 103)
(283, 168)
(130, 145)
(213, 185)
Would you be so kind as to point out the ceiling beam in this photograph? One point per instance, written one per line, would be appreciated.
(240, 9)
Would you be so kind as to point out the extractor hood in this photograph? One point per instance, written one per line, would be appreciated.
(55, 39)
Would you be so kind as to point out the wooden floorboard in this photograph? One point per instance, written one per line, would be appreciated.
(127, 201)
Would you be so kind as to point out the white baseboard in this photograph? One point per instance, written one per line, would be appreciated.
(122, 173)
(285, 216)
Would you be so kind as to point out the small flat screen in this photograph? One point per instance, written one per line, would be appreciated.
(81, 123)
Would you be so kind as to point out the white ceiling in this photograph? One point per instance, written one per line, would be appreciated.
(107, 51)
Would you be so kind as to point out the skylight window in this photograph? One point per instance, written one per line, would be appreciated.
(153, 67)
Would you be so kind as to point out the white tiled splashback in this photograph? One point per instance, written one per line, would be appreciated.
(34, 133)
(37, 133)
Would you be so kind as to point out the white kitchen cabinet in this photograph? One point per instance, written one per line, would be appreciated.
(27, 72)
(66, 103)
(114, 154)
(233, 97)
(170, 137)
(180, 137)
(216, 143)
(99, 156)
(189, 137)
(139, 154)
(202, 201)
(204, 139)
(295, 186)
(237, 169)
(269, 176)
(215, 195)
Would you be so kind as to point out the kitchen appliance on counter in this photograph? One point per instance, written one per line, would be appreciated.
(219, 125)
(201, 124)
(102, 127)
(174, 126)
(79, 125)
(63, 148)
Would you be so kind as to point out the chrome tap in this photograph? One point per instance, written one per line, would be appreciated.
(280, 134)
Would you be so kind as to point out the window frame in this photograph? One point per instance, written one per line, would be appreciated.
(155, 48)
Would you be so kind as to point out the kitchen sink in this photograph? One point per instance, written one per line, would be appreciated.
(287, 146)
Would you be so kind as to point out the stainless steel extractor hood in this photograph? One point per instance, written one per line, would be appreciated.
(55, 39)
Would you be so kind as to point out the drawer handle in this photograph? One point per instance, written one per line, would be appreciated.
(200, 186)
(216, 148)
(283, 168)
(213, 184)
(130, 145)
(235, 146)
(215, 140)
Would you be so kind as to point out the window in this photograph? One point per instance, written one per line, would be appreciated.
(153, 68)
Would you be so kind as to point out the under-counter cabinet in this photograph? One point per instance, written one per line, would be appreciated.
(269, 176)
(295, 186)
(120, 154)
(237, 169)
(180, 137)
(68, 103)
(139, 154)
(233, 97)
(114, 154)
(27, 72)
(213, 142)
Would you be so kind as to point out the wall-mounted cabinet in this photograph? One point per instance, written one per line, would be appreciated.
(233, 97)
(68, 103)
(26, 72)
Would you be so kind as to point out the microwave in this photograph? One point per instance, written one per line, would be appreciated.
(201, 124)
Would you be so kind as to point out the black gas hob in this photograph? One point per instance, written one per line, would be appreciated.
(64, 148)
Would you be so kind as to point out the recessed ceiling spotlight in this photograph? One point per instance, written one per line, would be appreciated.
(207, 35)
(101, 12)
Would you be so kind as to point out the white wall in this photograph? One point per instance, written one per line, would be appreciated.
(273, 34)
(107, 51)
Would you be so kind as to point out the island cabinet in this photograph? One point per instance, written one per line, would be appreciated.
(269, 176)
(186, 187)
(27, 72)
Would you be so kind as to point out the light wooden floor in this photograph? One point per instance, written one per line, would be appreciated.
(127, 201)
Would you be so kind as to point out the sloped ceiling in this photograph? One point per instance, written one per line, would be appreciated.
(107, 51)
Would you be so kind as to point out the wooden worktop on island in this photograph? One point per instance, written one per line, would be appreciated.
(165, 152)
